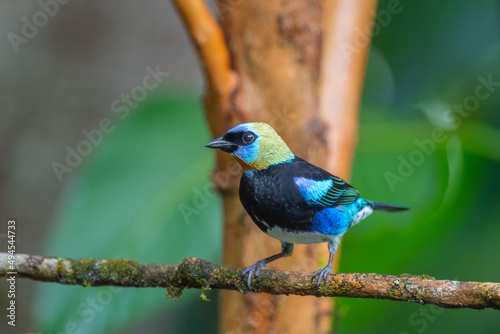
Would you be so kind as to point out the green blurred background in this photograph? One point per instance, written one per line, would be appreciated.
(143, 192)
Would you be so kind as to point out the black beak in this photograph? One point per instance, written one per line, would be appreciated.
(222, 145)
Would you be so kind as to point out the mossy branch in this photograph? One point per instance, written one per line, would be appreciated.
(202, 274)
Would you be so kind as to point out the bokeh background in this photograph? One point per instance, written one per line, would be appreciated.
(142, 191)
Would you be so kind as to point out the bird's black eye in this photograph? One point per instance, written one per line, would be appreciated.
(249, 137)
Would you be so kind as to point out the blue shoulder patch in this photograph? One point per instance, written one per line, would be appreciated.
(313, 190)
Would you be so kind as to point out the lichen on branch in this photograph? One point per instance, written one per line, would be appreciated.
(202, 274)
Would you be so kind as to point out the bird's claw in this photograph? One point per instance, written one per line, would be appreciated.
(253, 270)
(322, 274)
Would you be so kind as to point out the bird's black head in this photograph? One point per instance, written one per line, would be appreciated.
(232, 141)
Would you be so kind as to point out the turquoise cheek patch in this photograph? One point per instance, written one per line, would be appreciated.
(249, 153)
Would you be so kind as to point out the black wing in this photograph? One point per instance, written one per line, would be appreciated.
(320, 188)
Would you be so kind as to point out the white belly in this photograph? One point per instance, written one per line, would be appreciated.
(302, 237)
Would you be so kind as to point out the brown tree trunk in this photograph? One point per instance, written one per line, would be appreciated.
(275, 48)
(289, 67)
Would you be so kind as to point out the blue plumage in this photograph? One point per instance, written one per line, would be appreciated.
(289, 198)
(337, 220)
(331, 221)
(313, 190)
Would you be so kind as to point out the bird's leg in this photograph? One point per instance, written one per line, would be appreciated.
(254, 270)
(323, 273)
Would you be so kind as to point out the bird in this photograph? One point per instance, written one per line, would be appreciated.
(290, 199)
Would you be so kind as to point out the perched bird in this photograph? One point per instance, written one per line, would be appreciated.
(290, 199)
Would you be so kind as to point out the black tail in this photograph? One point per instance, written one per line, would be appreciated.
(388, 207)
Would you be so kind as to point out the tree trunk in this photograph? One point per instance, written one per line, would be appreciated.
(298, 66)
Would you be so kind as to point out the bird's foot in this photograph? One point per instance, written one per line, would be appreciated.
(322, 274)
(253, 270)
